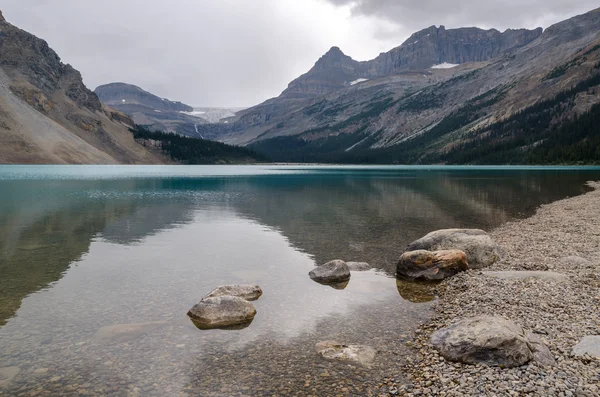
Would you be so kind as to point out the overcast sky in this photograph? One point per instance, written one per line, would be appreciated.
(241, 52)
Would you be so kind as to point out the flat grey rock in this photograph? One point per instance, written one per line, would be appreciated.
(355, 354)
(250, 292)
(492, 341)
(589, 345)
(574, 261)
(525, 274)
(126, 332)
(358, 266)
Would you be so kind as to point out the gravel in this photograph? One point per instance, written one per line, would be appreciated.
(561, 313)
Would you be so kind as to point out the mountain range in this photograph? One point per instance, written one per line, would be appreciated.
(449, 96)
(442, 94)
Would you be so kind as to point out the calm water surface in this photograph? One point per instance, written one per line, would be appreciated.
(99, 265)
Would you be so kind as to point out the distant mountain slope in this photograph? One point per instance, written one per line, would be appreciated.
(434, 115)
(117, 94)
(47, 115)
(160, 114)
(424, 49)
(404, 69)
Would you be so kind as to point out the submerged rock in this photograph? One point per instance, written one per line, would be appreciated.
(416, 292)
(334, 272)
(250, 292)
(7, 374)
(490, 340)
(356, 354)
(589, 345)
(478, 245)
(125, 332)
(222, 312)
(424, 265)
(358, 266)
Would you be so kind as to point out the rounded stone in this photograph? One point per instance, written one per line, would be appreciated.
(222, 312)
(332, 272)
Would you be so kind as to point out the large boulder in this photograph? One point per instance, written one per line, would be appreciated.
(331, 273)
(490, 340)
(478, 245)
(356, 354)
(424, 265)
(250, 292)
(222, 312)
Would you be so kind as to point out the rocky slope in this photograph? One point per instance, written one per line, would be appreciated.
(47, 115)
(434, 115)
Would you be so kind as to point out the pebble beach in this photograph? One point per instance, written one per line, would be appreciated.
(560, 302)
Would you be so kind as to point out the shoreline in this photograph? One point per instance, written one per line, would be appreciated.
(561, 237)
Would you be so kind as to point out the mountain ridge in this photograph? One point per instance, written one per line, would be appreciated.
(47, 114)
(423, 49)
(384, 112)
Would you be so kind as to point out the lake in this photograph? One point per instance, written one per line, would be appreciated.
(100, 264)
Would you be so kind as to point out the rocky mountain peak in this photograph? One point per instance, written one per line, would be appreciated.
(2, 17)
(422, 50)
(334, 58)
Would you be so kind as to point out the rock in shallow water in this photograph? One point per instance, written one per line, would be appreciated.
(222, 312)
(357, 354)
(424, 265)
(478, 245)
(332, 272)
(250, 292)
(492, 341)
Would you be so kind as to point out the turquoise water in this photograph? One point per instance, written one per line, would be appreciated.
(83, 248)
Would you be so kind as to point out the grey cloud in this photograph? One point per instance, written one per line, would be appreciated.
(414, 15)
(203, 52)
(241, 52)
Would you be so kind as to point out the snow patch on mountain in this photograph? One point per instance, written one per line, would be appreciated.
(357, 81)
(445, 65)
